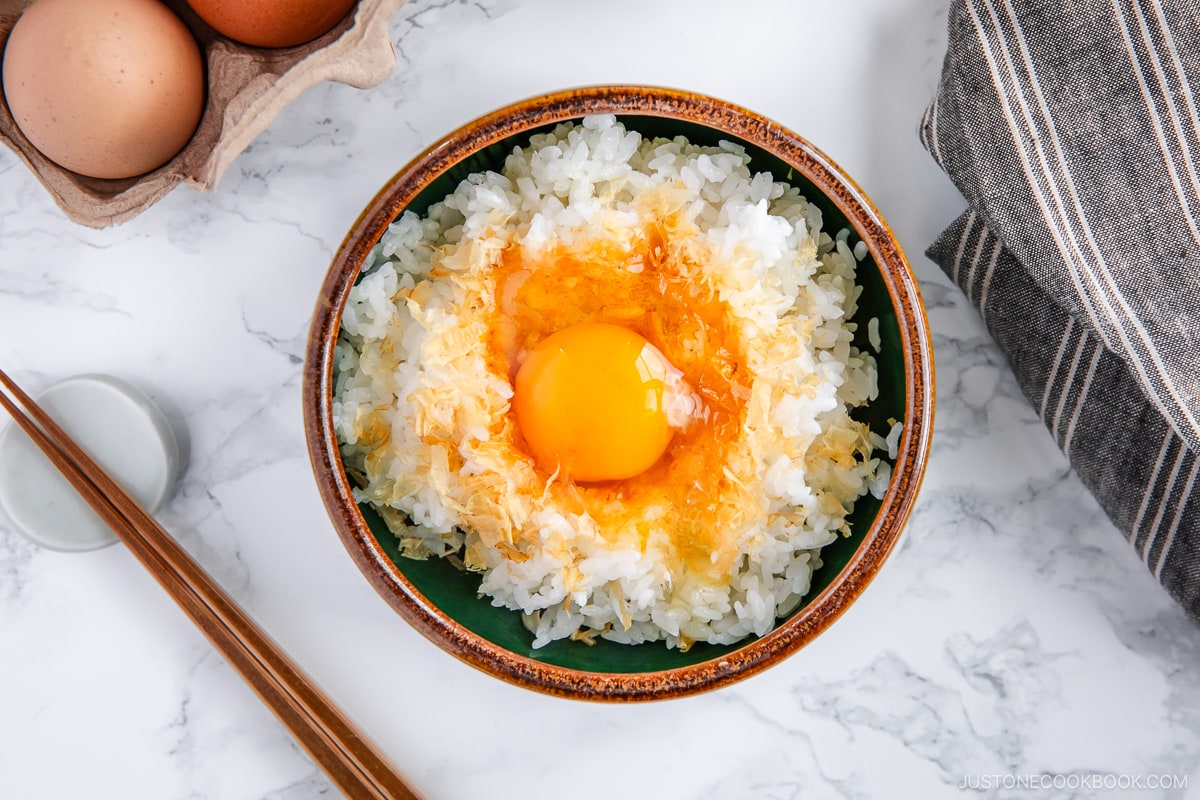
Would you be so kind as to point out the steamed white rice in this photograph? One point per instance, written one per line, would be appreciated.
(418, 411)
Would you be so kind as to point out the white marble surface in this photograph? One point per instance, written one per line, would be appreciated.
(1013, 632)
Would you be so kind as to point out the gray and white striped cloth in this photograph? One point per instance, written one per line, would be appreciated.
(1072, 127)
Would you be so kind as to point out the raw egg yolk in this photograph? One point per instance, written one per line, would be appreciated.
(589, 401)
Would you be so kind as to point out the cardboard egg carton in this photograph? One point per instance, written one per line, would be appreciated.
(247, 88)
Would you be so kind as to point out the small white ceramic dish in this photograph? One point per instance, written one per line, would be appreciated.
(120, 428)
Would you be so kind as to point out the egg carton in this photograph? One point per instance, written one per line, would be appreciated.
(247, 88)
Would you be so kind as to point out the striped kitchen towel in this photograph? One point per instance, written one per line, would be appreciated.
(1072, 127)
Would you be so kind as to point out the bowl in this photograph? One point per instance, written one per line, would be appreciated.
(246, 88)
(442, 602)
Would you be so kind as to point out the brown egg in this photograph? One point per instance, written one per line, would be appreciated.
(272, 23)
(108, 89)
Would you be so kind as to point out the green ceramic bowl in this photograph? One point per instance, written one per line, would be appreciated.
(441, 601)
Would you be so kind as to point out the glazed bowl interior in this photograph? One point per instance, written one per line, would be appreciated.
(443, 601)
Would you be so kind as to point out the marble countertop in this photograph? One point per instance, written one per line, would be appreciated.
(1012, 633)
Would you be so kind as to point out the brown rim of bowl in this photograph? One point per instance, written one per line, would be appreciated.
(756, 654)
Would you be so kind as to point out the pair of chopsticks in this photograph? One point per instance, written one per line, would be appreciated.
(346, 755)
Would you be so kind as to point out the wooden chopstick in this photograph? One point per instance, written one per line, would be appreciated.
(350, 760)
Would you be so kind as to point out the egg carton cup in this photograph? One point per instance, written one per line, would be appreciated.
(247, 88)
